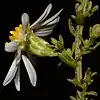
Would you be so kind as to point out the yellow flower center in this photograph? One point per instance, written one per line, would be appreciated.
(17, 34)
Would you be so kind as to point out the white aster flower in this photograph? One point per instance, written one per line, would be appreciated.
(18, 41)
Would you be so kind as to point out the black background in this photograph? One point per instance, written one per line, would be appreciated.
(52, 80)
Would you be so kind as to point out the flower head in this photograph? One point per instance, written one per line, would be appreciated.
(19, 42)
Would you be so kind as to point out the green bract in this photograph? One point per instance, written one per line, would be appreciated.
(38, 46)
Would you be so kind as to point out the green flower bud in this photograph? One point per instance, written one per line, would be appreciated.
(95, 31)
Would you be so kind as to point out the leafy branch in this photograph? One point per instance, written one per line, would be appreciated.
(73, 57)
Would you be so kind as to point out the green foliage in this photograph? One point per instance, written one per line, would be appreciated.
(83, 9)
(59, 45)
(73, 57)
(67, 58)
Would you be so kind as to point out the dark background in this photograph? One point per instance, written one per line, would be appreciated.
(52, 80)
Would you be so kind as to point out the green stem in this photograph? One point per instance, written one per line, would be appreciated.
(78, 71)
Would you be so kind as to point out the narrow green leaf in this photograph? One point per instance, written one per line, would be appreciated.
(60, 46)
(94, 9)
(79, 94)
(94, 73)
(88, 9)
(87, 76)
(76, 83)
(89, 6)
(71, 81)
(66, 60)
(67, 55)
(73, 17)
(49, 45)
(77, 5)
(72, 98)
(53, 41)
(86, 44)
(89, 83)
(91, 93)
(90, 31)
(71, 28)
(61, 39)
(69, 51)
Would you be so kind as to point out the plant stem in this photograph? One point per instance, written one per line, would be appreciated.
(78, 71)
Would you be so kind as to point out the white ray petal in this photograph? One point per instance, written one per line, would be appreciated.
(12, 71)
(46, 28)
(52, 18)
(11, 46)
(25, 19)
(43, 16)
(54, 21)
(17, 78)
(43, 33)
(49, 28)
(30, 70)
